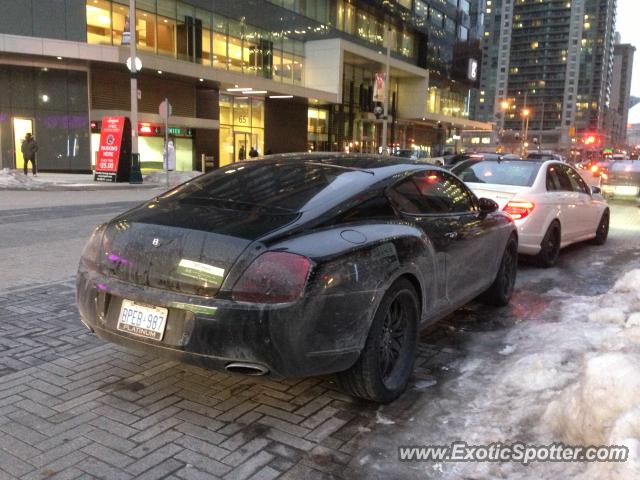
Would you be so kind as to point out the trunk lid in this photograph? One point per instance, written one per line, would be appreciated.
(180, 246)
(501, 194)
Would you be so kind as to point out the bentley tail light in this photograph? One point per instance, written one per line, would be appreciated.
(519, 209)
(93, 249)
(273, 277)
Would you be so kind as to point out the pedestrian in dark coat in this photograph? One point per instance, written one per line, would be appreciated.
(29, 149)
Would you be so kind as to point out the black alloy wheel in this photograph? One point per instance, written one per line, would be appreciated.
(500, 292)
(602, 233)
(549, 247)
(386, 362)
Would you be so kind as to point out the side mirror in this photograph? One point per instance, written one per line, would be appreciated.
(487, 205)
(596, 190)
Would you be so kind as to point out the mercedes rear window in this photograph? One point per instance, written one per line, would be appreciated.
(506, 172)
(284, 187)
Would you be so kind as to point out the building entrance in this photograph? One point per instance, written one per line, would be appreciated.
(21, 126)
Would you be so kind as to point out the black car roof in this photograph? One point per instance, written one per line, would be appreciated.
(371, 163)
(343, 158)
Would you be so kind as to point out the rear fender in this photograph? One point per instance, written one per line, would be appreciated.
(354, 265)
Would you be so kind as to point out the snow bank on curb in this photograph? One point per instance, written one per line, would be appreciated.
(607, 389)
(571, 376)
(630, 282)
(14, 179)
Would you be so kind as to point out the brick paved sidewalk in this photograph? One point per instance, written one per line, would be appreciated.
(72, 406)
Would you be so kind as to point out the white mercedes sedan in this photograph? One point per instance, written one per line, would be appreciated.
(551, 204)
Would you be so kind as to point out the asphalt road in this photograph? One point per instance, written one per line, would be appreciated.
(42, 233)
(72, 405)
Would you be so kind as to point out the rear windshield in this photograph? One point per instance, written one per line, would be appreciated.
(619, 166)
(284, 187)
(540, 156)
(517, 172)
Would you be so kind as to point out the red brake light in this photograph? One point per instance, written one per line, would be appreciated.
(594, 168)
(273, 277)
(519, 210)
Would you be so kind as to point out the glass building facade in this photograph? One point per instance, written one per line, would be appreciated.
(181, 31)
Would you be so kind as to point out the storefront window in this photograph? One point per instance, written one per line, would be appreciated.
(166, 36)
(446, 102)
(297, 70)
(185, 32)
(119, 15)
(220, 57)
(349, 18)
(204, 18)
(99, 22)
(178, 30)
(277, 64)
(250, 55)
(146, 31)
(241, 127)
(235, 46)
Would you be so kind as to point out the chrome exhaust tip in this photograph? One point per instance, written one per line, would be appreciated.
(242, 368)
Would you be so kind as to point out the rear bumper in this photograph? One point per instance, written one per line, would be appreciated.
(529, 239)
(313, 336)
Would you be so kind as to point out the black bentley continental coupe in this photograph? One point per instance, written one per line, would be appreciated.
(298, 265)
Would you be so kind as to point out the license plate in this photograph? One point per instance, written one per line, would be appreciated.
(142, 320)
(626, 190)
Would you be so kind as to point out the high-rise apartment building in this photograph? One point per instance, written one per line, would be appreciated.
(620, 93)
(552, 60)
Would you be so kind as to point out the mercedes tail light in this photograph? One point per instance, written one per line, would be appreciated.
(519, 209)
(273, 277)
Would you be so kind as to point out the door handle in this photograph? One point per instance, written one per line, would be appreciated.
(451, 235)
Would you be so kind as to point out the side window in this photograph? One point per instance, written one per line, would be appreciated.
(374, 208)
(443, 193)
(406, 197)
(563, 178)
(553, 182)
(577, 183)
(432, 192)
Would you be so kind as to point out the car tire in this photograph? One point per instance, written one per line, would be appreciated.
(500, 291)
(550, 247)
(384, 367)
(602, 232)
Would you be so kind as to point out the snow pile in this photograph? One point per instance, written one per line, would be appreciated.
(586, 411)
(13, 179)
(608, 315)
(571, 376)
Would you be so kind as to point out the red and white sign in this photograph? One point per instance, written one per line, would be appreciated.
(379, 87)
(110, 143)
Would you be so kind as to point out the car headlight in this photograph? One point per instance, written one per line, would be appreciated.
(92, 252)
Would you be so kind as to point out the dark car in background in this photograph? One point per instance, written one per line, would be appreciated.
(298, 265)
(622, 179)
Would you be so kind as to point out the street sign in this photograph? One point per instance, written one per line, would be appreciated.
(165, 109)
